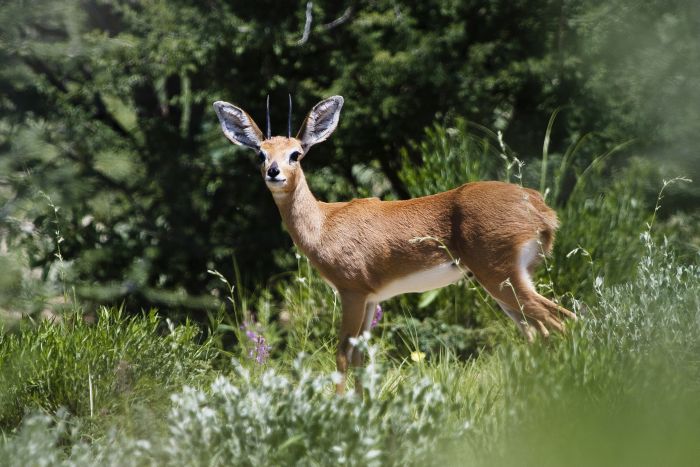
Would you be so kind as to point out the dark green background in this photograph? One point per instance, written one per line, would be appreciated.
(105, 113)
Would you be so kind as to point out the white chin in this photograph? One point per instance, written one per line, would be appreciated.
(273, 184)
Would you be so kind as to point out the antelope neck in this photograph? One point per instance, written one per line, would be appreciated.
(301, 214)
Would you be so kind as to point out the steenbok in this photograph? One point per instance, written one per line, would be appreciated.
(370, 250)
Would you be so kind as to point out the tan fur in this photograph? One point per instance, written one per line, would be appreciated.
(362, 245)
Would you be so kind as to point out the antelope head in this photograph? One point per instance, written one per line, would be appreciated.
(279, 156)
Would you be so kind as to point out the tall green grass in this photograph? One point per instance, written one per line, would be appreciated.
(619, 388)
(93, 370)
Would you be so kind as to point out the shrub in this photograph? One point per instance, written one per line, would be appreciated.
(270, 420)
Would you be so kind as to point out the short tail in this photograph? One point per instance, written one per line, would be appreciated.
(550, 222)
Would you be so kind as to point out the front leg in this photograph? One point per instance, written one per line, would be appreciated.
(352, 324)
(358, 356)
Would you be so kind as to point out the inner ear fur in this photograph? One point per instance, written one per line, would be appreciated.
(237, 125)
(321, 121)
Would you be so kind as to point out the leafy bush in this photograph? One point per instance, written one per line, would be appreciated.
(295, 420)
(451, 156)
(600, 226)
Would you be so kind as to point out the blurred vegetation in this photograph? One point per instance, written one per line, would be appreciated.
(117, 187)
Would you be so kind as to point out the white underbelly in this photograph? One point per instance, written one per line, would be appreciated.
(420, 281)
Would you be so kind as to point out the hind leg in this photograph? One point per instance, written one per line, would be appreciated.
(555, 309)
(525, 306)
(530, 256)
(520, 321)
(513, 290)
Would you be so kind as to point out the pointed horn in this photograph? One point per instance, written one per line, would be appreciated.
(289, 119)
(269, 131)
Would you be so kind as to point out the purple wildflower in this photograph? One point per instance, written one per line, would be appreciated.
(260, 351)
(378, 313)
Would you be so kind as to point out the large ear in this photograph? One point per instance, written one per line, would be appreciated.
(237, 125)
(320, 122)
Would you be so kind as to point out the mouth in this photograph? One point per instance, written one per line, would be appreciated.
(275, 181)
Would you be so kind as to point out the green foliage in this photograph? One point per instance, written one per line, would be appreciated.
(106, 109)
(312, 310)
(435, 337)
(600, 226)
(91, 369)
(450, 157)
(274, 419)
(19, 288)
(288, 420)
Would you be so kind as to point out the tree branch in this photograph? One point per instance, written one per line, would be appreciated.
(307, 25)
(347, 14)
(340, 20)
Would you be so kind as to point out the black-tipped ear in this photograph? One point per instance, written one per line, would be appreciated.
(237, 125)
(321, 122)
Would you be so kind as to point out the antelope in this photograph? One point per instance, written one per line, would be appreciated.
(370, 250)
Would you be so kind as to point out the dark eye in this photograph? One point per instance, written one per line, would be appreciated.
(293, 157)
(261, 157)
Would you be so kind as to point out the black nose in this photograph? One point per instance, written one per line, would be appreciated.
(273, 171)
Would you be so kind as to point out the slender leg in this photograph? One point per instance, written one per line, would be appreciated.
(351, 325)
(358, 357)
(511, 285)
(520, 300)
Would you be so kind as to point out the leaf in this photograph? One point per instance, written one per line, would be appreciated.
(292, 440)
(428, 297)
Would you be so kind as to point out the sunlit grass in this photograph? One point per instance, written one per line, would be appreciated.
(620, 387)
(94, 370)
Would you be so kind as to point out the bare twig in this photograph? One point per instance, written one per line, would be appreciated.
(347, 14)
(340, 20)
(307, 25)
